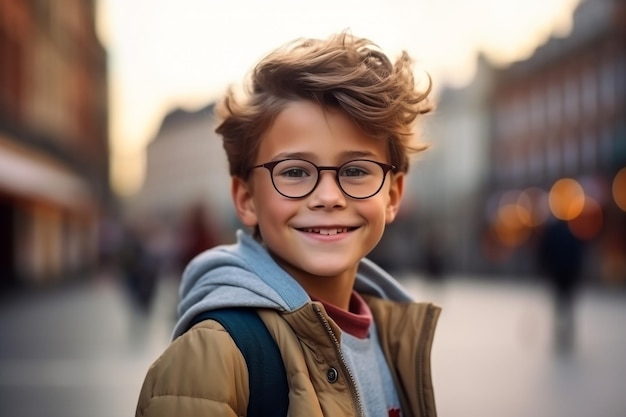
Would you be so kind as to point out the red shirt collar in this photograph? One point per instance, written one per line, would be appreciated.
(356, 321)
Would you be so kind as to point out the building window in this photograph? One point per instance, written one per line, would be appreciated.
(501, 125)
(535, 159)
(570, 99)
(588, 145)
(11, 70)
(518, 162)
(606, 145)
(620, 82)
(554, 159)
(537, 111)
(608, 85)
(518, 116)
(554, 105)
(589, 93)
(570, 155)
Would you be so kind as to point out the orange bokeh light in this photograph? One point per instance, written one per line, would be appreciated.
(509, 227)
(532, 207)
(619, 189)
(590, 221)
(566, 199)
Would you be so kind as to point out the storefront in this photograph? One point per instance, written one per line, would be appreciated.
(48, 219)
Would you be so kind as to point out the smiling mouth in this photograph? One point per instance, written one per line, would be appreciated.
(329, 231)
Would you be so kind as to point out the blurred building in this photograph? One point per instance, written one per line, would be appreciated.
(558, 141)
(456, 169)
(500, 144)
(186, 174)
(444, 188)
(53, 139)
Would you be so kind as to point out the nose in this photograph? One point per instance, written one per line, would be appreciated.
(327, 194)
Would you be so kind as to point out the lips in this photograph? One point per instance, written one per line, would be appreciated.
(327, 231)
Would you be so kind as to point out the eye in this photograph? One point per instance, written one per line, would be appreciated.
(294, 173)
(294, 169)
(354, 170)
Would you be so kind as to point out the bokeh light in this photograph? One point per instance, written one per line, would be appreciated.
(532, 207)
(566, 199)
(619, 189)
(509, 226)
(589, 223)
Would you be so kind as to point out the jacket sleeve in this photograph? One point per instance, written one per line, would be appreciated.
(202, 373)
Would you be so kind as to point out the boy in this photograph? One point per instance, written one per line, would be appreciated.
(317, 150)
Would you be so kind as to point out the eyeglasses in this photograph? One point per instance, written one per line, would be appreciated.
(297, 178)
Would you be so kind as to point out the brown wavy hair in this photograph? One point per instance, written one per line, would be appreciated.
(343, 72)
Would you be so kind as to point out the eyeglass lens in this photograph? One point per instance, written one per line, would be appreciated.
(358, 179)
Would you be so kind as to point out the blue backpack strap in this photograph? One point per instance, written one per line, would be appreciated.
(269, 391)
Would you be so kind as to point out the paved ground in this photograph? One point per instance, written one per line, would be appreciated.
(84, 350)
(494, 353)
(79, 352)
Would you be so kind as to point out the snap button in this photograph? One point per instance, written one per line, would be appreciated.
(332, 375)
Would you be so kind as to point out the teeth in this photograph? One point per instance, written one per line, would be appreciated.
(327, 231)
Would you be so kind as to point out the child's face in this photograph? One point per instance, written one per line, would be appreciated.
(291, 228)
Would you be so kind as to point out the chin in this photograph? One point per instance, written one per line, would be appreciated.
(319, 265)
(327, 269)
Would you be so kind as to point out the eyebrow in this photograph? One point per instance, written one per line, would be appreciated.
(308, 155)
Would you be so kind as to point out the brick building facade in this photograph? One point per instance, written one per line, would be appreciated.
(53, 139)
(561, 115)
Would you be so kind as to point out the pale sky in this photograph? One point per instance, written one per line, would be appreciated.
(183, 53)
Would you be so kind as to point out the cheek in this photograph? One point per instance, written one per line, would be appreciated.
(275, 211)
(272, 208)
(387, 207)
(375, 212)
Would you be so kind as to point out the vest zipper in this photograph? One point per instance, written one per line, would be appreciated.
(353, 389)
(420, 353)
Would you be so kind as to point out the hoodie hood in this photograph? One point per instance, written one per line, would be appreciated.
(245, 275)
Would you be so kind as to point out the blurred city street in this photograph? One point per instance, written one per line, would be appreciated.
(79, 351)
(111, 160)
(83, 350)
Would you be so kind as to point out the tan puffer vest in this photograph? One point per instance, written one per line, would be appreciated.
(189, 380)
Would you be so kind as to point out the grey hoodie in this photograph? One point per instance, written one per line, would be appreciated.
(245, 275)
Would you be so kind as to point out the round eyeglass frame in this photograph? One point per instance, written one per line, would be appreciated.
(272, 164)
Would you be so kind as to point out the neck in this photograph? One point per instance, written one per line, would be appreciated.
(335, 290)
(332, 293)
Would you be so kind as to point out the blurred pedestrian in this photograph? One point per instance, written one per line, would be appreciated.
(434, 258)
(318, 149)
(110, 241)
(560, 257)
(140, 269)
(198, 233)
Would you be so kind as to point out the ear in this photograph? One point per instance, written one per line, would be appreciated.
(241, 193)
(396, 191)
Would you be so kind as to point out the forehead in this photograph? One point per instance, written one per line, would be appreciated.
(323, 134)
